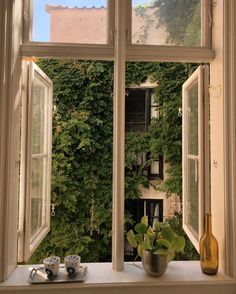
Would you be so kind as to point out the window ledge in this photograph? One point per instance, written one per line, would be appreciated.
(181, 275)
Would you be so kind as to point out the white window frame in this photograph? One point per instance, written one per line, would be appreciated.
(200, 159)
(222, 77)
(27, 244)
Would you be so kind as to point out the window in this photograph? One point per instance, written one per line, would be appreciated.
(136, 114)
(140, 109)
(154, 23)
(156, 168)
(34, 217)
(220, 66)
(71, 22)
(195, 158)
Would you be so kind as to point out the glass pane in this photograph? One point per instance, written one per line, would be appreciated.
(38, 116)
(192, 117)
(166, 22)
(192, 213)
(36, 195)
(70, 21)
(135, 111)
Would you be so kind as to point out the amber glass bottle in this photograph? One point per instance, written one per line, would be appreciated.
(209, 256)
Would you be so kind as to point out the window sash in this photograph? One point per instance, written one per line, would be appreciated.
(28, 242)
(201, 159)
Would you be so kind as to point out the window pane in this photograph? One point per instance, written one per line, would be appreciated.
(192, 214)
(192, 117)
(38, 117)
(70, 21)
(166, 22)
(36, 196)
(135, 115)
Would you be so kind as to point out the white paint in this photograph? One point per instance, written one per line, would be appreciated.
(118, 191)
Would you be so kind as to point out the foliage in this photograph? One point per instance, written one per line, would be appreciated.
(181, 19)
(161, 239)
(189, 253)
(165, 133)
(81, 159)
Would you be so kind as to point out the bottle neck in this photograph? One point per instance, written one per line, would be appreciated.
(208, 224)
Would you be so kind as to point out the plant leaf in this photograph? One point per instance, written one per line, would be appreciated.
(131, 239)
(144, 220)
(141, 228)
(157, 226)
(140, 250)
(168, 234)
(145, 245)
(171, 254)
(161, 251)
(179, 243)
(138, 238)
(164, 243)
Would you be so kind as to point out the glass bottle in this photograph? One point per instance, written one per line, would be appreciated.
(209, 253)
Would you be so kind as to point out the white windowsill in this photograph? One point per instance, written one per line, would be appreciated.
(101, 276)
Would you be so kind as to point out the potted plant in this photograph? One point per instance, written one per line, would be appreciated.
(155, 245)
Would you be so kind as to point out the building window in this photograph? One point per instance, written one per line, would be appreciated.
(140, 109)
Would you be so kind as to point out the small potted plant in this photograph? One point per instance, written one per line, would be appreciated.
(155, 245)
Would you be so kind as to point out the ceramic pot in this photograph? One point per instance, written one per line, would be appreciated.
(154, 264)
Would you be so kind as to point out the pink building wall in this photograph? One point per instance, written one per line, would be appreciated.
(78, 25)
(89, 25)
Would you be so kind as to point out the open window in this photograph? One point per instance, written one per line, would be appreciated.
(195, 155)
(35, 175)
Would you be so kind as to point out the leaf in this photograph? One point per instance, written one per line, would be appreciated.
(138, 238)
(171, 254)
(150, 241)
(161, 251)
(179, 244)
(145, 246)
(144, 220)
(164, 243)
(150, 233)
(157, 226)
(141, 228)
(131, 239)
(140, 250)
(168, 234)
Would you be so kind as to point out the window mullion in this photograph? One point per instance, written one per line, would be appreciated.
(119, 138)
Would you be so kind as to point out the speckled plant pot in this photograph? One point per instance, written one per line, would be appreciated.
(154, 264)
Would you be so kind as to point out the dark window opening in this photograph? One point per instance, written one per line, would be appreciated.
(140, 109)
